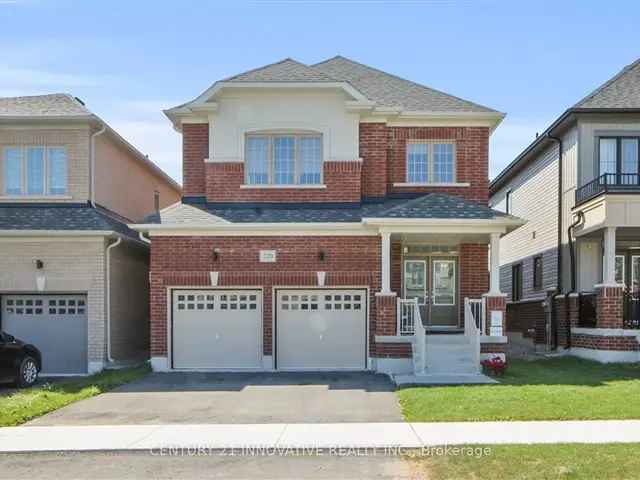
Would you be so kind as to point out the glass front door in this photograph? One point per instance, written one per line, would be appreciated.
(433, 282)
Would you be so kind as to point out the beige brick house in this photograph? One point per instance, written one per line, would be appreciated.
(73, 276)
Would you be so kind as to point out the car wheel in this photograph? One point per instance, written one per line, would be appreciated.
(27, 373)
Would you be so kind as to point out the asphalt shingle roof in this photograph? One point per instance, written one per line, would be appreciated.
(77, 216)
(54, 105)
(621, 91)
(287, 70)
(383, 88)
(392, 91)
(427, 206)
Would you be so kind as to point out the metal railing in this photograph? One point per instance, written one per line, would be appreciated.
(407, 315)
(478, 311)
(608, 182)
(419, 342)
(631, 309)
(472, 331)
(587, 310)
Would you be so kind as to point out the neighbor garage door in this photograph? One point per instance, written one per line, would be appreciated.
(321, 329)
(55, 324)
(217, 329)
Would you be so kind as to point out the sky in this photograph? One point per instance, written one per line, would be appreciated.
(129, 60)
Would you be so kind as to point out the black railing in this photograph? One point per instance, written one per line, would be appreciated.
(587, 316)
(631, 307)
(608, 182)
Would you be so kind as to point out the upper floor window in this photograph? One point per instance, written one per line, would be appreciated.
(619, 156)
(431, 162)
(284, 159)
(35, 170)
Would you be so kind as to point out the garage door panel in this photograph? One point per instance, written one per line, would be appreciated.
(321, 329)
(216, 329)
(55, 324)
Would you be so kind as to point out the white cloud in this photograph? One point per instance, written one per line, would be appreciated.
(510, 139)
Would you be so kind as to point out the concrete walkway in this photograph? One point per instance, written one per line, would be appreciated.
(311, 435)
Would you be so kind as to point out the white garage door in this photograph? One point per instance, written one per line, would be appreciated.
(55, 324)
(321, 329)
(217, 329)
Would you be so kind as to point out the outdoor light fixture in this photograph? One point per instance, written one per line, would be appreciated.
(216, 254)
(39, 264)
(322, 256)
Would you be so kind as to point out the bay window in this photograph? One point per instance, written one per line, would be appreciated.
(430, 162)
(283, 159)
(35, 171)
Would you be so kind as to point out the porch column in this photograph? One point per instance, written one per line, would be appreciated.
(385, 257)
(494, 284)
(609, 262)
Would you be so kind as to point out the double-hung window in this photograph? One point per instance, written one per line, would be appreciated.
(283, 159)
(619, 160)
(35, 171)
(431, 162)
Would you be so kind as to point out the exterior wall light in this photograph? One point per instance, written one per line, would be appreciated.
(322, 256)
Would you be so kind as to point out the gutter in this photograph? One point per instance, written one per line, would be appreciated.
(108, 294)
(579, 219)
(559, 247)
(92, 200)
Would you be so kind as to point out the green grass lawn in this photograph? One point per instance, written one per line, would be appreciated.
(564, 388)
(23, 405)
(535, 462)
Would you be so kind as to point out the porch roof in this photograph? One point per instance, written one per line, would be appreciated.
(426, 207)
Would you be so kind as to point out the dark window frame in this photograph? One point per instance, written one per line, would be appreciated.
(618, 139)
(538, 272)
(516, 282)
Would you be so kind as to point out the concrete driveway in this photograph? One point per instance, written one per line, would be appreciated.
(191, 398)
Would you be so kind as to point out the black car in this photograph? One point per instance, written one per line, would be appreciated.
(20, 362)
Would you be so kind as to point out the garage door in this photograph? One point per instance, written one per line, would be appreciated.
(55, 324)
(321, 329)
(217, 329)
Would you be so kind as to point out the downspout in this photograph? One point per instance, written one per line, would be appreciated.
(108, 293)
(92, 198)
(572, 253)
(559, 248)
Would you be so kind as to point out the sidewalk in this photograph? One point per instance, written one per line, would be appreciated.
(296, 436)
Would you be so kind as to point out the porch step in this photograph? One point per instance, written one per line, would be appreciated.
(447, 340)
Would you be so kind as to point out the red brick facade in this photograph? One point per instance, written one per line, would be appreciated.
(341, 184)
(601, 342)
(609, 307)
(382, 149)
(195, 148)
(472, 159)
(352, 261)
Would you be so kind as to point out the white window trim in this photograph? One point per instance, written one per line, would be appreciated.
(430, 143)
(634, 280)
(24, 174)
(297, 161)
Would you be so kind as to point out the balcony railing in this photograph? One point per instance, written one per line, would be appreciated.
(608, 183)
(631, 313)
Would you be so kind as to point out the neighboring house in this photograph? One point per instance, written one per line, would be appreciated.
(586, 206)
(326, 208)
(73, 276)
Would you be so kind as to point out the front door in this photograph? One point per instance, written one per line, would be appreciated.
(433, 282)
(444, 307)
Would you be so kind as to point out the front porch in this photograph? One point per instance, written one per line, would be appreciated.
(440, 310)
(602, 320)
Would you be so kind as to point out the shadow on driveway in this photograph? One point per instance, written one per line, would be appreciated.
(192, 398)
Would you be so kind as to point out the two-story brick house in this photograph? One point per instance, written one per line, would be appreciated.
(333, 216)
(572, 272)
(73, 276)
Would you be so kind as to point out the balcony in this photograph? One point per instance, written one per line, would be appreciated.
(608, 183)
